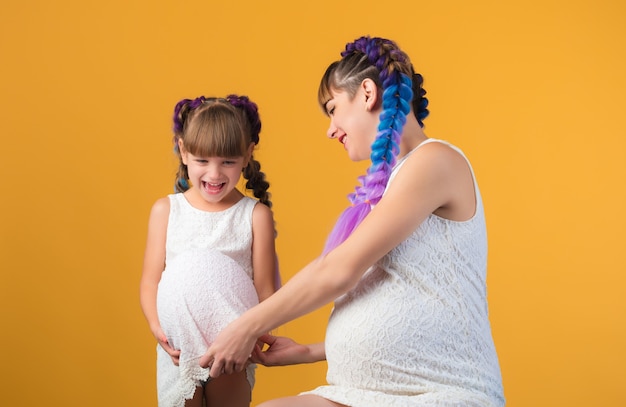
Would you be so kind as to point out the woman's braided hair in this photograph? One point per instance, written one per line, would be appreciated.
(389, 67)
(222, 127)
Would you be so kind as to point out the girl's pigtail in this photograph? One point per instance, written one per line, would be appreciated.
(257, 182)
(397, 95)
(252, 173)
(251, 112)
(181, 114)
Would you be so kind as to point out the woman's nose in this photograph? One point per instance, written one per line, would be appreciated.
(332, 131)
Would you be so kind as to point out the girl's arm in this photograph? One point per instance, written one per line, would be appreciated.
(429, 180)
(263, 251)
(153, 266)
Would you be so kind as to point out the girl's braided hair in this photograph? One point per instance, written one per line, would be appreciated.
(222, 127)
(382, 61)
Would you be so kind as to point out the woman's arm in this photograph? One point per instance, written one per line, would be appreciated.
(425, 183)
(263, 251)
(284, 351)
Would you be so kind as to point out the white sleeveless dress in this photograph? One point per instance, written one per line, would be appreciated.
(206, 284)
(415, 330)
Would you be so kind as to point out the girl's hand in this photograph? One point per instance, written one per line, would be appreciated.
(229, 353)
(162, 339)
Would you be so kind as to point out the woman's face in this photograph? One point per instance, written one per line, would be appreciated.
(352, 122)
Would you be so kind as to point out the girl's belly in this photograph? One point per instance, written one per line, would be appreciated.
(200, 292)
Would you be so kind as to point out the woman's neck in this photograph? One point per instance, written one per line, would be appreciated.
(412, 136)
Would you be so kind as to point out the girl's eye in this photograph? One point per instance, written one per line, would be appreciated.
(331, 111)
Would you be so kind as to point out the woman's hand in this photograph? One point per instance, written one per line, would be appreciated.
(230, 351)
(285, 351)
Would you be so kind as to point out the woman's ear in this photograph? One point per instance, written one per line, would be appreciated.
(183, 152)
(370, 90)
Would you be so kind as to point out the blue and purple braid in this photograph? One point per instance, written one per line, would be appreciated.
(397, 96)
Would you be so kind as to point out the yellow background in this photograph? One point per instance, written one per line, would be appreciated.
(533, 91)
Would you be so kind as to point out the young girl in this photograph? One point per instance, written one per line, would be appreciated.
(210, 251)
(405, 266)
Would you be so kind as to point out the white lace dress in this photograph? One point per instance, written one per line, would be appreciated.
(415, 330)
(207, 283)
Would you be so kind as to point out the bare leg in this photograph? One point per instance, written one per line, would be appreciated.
(196, 401)
(307, 400)
(228, 391)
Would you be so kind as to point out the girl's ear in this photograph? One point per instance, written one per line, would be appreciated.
(370, 90)
(248, 156)
(183, 152)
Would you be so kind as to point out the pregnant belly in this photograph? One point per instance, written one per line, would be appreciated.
(375, 337)
(200, 292)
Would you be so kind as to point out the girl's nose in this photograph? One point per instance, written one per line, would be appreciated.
(213, 171)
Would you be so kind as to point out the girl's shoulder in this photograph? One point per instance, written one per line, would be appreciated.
(162, 205)
(260, 209)
(159, 214)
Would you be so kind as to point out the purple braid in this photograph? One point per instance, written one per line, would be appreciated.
(181, 113)
(397, 95)
(256, 180)
(252, 114)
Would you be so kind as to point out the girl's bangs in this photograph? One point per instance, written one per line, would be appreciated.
(216, 133)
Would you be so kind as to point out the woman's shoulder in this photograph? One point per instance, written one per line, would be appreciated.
(439, 149)
(440, 171)
(433, 159)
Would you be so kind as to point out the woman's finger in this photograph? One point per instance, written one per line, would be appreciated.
(217, 368)
(206, 360)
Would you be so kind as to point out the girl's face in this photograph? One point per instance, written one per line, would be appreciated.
(353, 122)
(214, 179)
